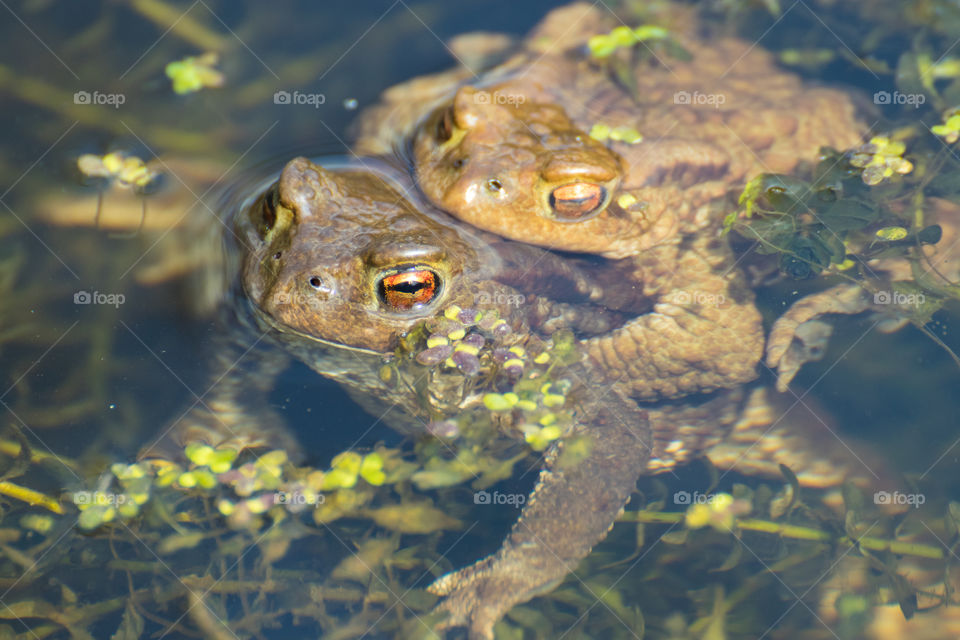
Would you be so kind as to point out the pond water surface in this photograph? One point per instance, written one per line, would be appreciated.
(104, 342)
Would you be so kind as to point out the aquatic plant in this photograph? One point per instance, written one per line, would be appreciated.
(352, 566)
(865, 206)
(619, 51)
(223, 502)
(195, 73)
(623, 37)
(602, 132)
(949, 130)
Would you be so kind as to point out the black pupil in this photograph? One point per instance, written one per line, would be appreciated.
(408, 286)
(577, 202)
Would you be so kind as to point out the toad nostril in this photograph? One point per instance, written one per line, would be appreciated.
(316, 282)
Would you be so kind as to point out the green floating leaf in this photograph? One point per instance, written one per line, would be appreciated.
(675, 537)
(786, 194)
(93, 517)
(676, 50)
(371, 469)
(919, 303)
(807, 58)
(529, 618)
(775, 192)
(178, 542)
(807, 256)
(131, 625)
(780, 503)
(848, 215)
(930, 235)
(29, 609)
(953, 517)
(853, 497)
(906, 595)
(370, 555)
(418, 517)
(833, 171)
(499, 402)
(794, 483)
(495, 471)
(890, 234)
(732, 560)
(913, 76)
(776, 232)
(439, 478)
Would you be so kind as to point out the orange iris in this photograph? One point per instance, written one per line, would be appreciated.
(574, 202)
(407, 289)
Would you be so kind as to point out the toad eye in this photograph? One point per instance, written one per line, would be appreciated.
(445, 125)
(408, 289)
(577, 201)
(268, 210)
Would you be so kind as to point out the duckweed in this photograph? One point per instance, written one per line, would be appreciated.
(880, 158)
(950, 129)
(194, 73)
(604, 45)
(602, 132)
(126, 170)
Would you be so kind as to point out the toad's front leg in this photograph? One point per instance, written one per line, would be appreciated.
(577, 499)
(704, 332)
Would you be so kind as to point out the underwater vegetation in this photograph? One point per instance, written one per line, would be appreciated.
(246, 542)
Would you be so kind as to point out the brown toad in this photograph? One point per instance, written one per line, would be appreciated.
(338, 266)
(513, 157)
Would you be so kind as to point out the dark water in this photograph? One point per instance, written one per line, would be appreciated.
(94, 382)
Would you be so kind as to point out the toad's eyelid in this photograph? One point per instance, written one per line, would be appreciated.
(409, 267)
(403, 256)
(267, 210)
(445, 124)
